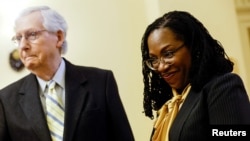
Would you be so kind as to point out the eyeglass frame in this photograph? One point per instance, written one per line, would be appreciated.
(30, 36)
(165, 58)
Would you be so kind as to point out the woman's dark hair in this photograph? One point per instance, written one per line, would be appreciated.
(207, 55)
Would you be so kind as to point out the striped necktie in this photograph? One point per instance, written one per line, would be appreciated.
(55, 113)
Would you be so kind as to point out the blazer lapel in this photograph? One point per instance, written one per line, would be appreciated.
(31, 104)
(75, 96)
(184, 112)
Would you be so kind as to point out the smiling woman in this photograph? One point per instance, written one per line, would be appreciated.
(190, 87)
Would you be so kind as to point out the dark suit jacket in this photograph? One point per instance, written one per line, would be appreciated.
(223, 101)
(93, 109)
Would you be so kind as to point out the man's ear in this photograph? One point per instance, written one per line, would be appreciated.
(61, 37)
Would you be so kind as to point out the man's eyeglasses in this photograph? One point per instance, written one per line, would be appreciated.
(29, 36)
(153, 63)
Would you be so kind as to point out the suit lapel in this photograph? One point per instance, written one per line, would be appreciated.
(75, 96)
(31, 104)
(182, 115)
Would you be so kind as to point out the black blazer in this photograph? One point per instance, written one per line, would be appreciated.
(93, 108)
(223, 101)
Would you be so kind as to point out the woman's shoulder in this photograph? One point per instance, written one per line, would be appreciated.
(227, 78)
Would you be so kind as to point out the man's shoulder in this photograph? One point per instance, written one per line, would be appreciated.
(91, 69)
(15, 86)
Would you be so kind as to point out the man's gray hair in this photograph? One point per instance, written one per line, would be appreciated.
(52, 21)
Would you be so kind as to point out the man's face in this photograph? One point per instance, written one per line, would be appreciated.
(37, 46)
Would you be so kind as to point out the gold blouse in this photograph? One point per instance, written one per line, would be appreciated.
(167, 114)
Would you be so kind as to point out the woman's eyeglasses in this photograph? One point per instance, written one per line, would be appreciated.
(166, 58)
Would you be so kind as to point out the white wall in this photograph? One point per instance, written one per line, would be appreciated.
(108, 33)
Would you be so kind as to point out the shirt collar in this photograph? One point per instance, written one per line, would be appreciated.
(58, 77)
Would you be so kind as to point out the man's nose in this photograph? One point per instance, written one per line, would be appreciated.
(23, 43)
